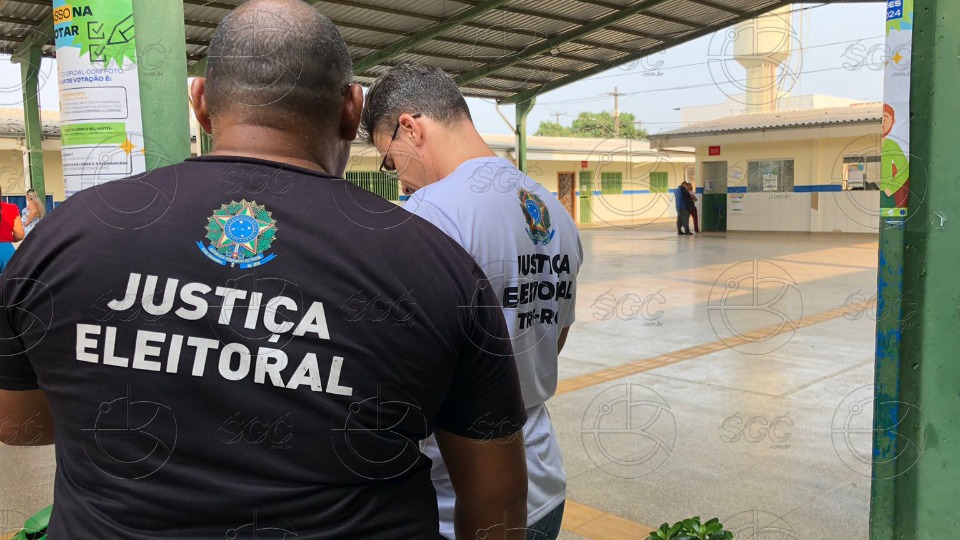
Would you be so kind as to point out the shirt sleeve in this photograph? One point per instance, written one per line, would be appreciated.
(485, 401)
(19, 327)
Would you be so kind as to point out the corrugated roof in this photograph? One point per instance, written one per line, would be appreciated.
(856, 113)
(508, 51)
(11, 123)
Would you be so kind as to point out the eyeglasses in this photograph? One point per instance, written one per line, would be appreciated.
(383, 163)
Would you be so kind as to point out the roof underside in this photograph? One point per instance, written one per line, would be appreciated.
(502, 49)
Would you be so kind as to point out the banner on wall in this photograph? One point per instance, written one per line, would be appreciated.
(895, 149)
(101, 128)
(736, 204)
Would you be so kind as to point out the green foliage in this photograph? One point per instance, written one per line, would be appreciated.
(596, 125)
(549, 129)
(692, 529)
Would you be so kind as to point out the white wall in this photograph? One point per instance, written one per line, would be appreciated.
(840, 211)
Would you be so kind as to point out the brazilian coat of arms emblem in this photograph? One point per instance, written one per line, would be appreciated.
(538, 218)
(240, 233)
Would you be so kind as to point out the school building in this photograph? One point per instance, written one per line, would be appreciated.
(806, 170)
(600, 181)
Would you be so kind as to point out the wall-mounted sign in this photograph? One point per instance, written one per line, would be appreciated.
(714, 150)
(770, 182)
(736, 203)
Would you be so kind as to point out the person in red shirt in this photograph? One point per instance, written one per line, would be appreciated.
(11, 230)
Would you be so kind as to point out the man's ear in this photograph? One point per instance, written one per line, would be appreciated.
(411, 131)
(350, 115)
(197, 90)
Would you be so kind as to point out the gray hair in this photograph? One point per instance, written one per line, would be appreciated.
(277, 63)
(412, 88)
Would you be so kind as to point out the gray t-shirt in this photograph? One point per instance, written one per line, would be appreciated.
(529, 247)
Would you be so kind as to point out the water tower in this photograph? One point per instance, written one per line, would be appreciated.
(763, 46)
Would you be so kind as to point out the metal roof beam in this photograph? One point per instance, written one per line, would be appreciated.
(38, 37)
(570, 20)
(382, 9)
(667, 18)
(460, 58)
(210, 4)
(509, 9)
(518, 31)
(471, 43)
(553, 85)
(717, 6)
(597, 24)
(426, 34)
(476, 43)
(14, 20)
(36, 3)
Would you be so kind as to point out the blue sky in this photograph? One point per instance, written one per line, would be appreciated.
(836, 55)
(835, 59)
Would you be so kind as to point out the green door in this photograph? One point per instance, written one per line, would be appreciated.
(586, 197)
(713, 215)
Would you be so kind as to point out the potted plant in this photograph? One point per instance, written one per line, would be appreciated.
(692, 529)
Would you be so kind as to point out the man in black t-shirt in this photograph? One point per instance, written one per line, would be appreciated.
(246, 345)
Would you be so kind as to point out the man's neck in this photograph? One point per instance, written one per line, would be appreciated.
(273, 144)
(467, 145)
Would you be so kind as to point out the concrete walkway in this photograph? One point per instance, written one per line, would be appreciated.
(714, 375)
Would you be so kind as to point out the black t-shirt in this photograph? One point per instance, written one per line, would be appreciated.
(235, 348)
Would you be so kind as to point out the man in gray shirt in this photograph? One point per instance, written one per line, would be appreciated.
(517, 231)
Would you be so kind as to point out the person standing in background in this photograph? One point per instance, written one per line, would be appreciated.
(11, 230)
(683, 201)
(33, 213)
(693, 209)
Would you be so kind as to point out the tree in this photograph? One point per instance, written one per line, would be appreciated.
(549, 129)
(597, 125)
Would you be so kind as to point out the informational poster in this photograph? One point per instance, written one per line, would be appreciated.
(770, 182)
(101, 127)
(895, 150)
(855, 176)
(736, 203)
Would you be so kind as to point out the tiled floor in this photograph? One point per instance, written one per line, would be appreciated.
(705, 376)
(716, 398)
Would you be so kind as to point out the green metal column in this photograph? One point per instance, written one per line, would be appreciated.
(163, 87)
(524, 107)
(29, 76)
(925, 382)
(887, 378)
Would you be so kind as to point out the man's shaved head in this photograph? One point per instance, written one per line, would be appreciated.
(277, 63)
